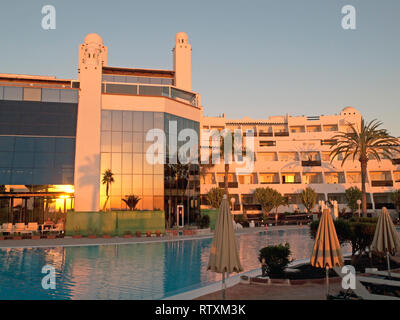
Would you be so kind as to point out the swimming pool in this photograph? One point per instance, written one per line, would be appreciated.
(130, 271)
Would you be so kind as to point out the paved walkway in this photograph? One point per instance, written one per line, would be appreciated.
(69, 241)
(307, 291)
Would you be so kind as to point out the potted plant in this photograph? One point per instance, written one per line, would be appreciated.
(158, 233)
(148, 234)
(51, 235)
(77, 234)
(17, 237)
(35, 235)
(138, 234)
(106, 236)
(2, 236)
(274, 260)
(92, 233)
(127, 234)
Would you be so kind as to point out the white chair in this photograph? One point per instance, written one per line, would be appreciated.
(21, 228)
(7, 228)
(32, 226)
(252, 224)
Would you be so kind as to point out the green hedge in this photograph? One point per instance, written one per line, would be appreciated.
(213, 214)
(115, 223)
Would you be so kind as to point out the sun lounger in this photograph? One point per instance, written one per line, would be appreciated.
(20, 228)
(394, 275)
(6, 228)
(362, 292)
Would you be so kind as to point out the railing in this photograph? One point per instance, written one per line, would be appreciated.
(282, 134)
(382, 183)
(150, 90)
(311, 163)
(295, 182)
(265, 134)
(230, 184)
(272, 182)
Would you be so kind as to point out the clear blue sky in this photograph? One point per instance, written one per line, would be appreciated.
(250, 58)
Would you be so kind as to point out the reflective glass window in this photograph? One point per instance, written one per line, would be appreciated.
(138, 121)
(116, 123)
(51, 95)
(13, 93)
(32, 94)
(106, 120)
(69, 96)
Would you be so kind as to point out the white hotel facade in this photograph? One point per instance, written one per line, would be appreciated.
(293, 153)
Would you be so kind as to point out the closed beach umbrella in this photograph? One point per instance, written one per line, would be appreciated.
(224, 256)
(326, 253)
(386, 239)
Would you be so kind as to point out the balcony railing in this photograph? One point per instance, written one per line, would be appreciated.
(265, 134)
(311, 163)
(282, 134)
(271, 182)
(150, 90)
(382, 183)
(230, 184)
(396, 161)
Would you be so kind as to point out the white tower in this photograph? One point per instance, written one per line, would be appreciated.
(92, 58)
(183, 62)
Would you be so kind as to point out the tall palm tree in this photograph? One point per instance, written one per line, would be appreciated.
(368, 141)
(108, 179)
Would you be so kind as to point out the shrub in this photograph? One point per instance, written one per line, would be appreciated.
(396, 199)
(309, 199)
(359, 232)
(131, 201)
(240, 218)
(276, 258)
(352, 195)
(269, 199)
(203, 222)
(214, 197)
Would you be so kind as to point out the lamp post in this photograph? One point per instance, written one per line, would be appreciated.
(359, 207)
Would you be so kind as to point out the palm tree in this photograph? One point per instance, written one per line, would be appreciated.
(107, 180)
(363, 143)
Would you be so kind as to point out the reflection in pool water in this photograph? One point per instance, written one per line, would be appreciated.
(130, 271)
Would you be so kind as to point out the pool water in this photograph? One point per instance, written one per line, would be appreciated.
(130, 271)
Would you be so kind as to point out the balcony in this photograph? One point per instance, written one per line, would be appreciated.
(311, 163)
(282, 134)
(265, 134)
(230, 185)
(151, 90)
(382, 183)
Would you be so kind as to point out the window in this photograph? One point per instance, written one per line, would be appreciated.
(32, 94)
(329, 142)
(267, 143)
(13, 93)
(334, 177)
(69, 96)
(51, 95)
(246, 179)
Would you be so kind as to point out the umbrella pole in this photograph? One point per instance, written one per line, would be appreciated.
(223, 286)
(388, 264)
(327, 282)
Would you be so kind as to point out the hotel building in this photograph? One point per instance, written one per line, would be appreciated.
(293, 153)
(58, 137)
